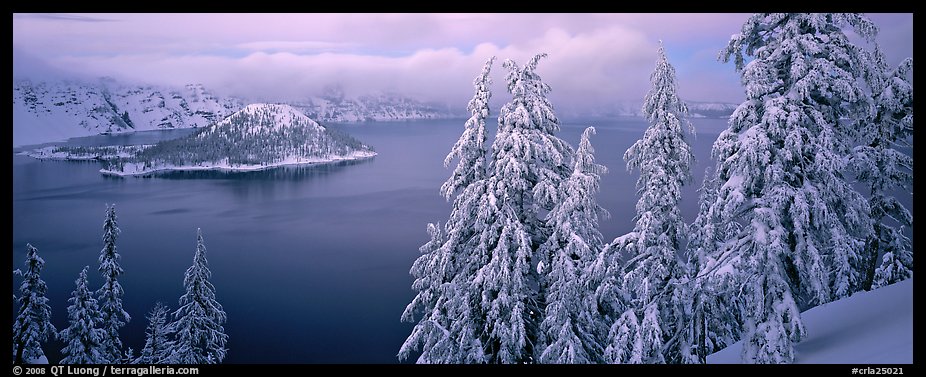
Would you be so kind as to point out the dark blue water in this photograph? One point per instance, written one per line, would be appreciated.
(310, 263)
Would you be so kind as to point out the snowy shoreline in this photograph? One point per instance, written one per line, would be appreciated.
(103, 153)
(223, 166)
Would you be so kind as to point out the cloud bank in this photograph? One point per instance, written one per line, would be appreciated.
(593, 59)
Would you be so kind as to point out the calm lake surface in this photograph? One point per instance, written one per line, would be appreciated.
(310, 263)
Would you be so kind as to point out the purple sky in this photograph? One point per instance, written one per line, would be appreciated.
(594, 58)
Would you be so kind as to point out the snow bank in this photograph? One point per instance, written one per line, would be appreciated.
(873, 327)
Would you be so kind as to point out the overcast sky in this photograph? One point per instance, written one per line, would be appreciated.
(593, 58)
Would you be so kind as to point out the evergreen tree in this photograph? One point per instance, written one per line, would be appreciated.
(84, 340)
(653, 272)
(780, 169)
(470, 150)
(110, 294)
(200, 337)
(33, 320)
(491, 296)
(446, 332)
(529, 163)
(882, 165)
(157, 338)
(715, 310)
(568, 333)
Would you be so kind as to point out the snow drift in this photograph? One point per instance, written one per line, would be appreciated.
(873, 327)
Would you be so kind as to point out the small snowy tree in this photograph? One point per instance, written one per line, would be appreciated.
(200, 337)
(780, 170)
(83, 339)
(568, 330)
(110, 294)
(157, 338)
(33, 320)
(880, 163)
(653, 272)
(897, 262)
(447, 330)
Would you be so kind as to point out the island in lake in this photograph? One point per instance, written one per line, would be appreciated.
(258, 137)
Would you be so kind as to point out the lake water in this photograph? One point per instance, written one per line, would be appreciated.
(310, 263)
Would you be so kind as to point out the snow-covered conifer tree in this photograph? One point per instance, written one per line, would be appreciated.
(110, 294)
(528, 165)
(780, 169)
(200, 336)
(470, 150)
(653, 272)
(84, 338)
(883, 167)
(447, 330)
(714, 321)
(157, 338)
(492, 298)
(33, 320)
(568, 329)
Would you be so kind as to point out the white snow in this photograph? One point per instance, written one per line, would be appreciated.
(137, 169)
(43, 129)
(873, 327)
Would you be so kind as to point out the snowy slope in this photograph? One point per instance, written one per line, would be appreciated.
(867, 328)
(53, 111)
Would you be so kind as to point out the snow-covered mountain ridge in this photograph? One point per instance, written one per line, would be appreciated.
(53, 111)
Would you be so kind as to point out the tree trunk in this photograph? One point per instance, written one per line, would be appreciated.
(871, 263)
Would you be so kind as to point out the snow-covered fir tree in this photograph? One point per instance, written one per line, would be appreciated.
(83, 339)
(157, 338)
(529, 163)
(492, 302)
(110, 294)
(470, 150)
(32, 325)
(882, 165)
(780, 169)
(653, 274)
(715, 311)
(200, 337)
(447, 330)
(569, 326)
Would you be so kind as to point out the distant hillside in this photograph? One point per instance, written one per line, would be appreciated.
(52, 111)
(634, 109)
(334, 106)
